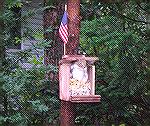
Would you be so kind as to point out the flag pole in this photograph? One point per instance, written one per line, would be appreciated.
(64, 42)
(64, 49)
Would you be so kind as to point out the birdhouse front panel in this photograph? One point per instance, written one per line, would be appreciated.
(77, 79)
(91, 73)
(64, 80)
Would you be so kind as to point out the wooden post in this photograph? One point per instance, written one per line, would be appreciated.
(67, 112)
(73, 26)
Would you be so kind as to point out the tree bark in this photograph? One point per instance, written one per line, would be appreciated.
(2, 62)
(73, 26)
(67, 113)
(2, 44)
(51, 21)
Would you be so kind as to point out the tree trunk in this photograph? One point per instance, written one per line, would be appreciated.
(67, 113)
(2, 62)
(73, 9)
(73, 26)
(51, 21)
(2, 45)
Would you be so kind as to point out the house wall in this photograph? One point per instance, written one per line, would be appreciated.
(33, 24)
(32, 30)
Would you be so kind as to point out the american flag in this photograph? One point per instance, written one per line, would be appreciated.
(63, 30)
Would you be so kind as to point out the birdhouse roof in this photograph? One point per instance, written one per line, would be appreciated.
(71, 58)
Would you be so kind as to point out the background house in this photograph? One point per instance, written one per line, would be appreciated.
(29, 31)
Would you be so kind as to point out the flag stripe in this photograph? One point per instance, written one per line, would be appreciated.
(63, 35)
(64, 38)
(63, 30)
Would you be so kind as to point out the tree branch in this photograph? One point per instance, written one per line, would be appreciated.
(141, 7)
(121, 15)
(135, 19)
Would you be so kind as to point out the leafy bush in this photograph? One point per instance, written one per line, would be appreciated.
(122, 74)
(26, 96)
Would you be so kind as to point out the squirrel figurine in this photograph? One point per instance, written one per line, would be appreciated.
(79, 71)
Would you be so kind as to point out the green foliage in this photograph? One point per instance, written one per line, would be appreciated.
(29, 95)
(117, 33)
(11, 3)
(26, 94)
(121, 44)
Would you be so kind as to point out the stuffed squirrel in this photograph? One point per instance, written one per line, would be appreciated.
(79, 84)
(79, 71)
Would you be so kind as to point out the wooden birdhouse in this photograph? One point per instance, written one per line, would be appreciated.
(77, 79)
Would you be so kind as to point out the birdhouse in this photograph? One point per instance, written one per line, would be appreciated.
(77, 79)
